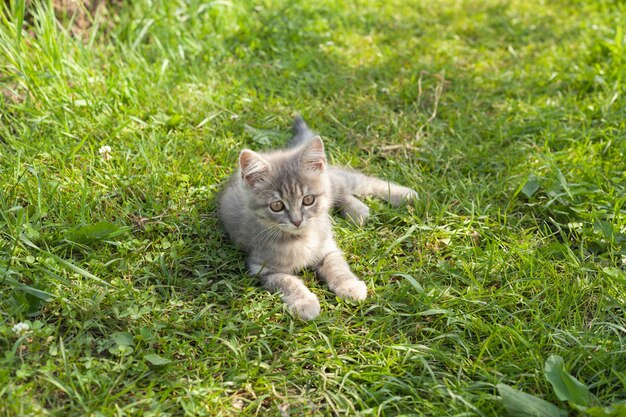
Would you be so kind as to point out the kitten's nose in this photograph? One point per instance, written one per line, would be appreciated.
(296, 223)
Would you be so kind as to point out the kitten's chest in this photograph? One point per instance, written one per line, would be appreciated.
(291, 255)
(303, 252)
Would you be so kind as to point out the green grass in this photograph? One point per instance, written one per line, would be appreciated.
(512, 120)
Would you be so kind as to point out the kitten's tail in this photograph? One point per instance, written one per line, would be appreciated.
(301, 133)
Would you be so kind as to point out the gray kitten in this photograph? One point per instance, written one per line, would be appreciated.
(276, 208)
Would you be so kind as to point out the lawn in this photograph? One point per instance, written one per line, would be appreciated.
(508, 118)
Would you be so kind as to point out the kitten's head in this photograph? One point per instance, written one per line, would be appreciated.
(287, 190)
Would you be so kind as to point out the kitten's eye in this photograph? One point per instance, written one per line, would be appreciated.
(308, 200)
(277, 206)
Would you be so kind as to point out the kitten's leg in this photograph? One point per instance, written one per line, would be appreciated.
(296, 295)
(346, 181)
(336, 272)
(395, 194)
(354, 209)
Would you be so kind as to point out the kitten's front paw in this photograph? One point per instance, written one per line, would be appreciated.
(306, 307)
(354, 289)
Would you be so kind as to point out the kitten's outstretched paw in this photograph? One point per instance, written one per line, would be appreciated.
(354, 289)
(306, 307)
(356, 214)
(404, 196)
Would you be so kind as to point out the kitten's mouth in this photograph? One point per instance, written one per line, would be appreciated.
(294, 230)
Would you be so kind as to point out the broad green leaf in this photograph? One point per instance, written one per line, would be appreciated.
(615, 273)
(566, 387)
(519, 404)
(145, 333)
(122, 338)
(156, 359)
(605, 228)
(121, 350)
(93, 232)
(531, 186)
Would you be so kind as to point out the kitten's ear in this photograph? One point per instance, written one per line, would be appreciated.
(312, 155)
(253, 167)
